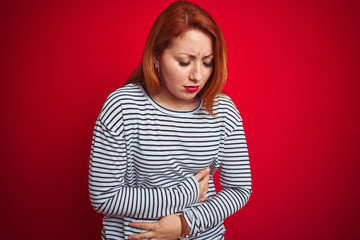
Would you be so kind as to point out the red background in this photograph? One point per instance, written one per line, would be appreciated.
(293, 73)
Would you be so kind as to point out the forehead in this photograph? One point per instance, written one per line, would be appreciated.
(192, 42)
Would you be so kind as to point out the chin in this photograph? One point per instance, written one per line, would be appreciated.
(188, 97)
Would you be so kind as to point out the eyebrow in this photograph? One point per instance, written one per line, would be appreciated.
(193, 56)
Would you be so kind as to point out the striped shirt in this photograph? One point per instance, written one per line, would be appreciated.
(144, 158)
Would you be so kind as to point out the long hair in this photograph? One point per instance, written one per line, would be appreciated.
(175, 20)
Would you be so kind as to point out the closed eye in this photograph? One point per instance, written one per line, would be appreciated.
(208, 64)
(184, 64)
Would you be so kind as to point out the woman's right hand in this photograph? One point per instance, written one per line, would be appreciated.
(203, 179)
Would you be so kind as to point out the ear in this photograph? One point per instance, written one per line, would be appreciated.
(156, 62)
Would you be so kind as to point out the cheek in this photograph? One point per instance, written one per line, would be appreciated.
(208, 73)
(167, 73)
(176, 74)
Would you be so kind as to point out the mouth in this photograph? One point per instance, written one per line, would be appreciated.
(191, 89)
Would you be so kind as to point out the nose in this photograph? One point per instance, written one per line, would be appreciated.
(196, 74)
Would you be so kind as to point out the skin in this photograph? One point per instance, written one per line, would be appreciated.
(187, 63)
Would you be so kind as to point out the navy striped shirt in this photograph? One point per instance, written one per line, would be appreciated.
(144, 158)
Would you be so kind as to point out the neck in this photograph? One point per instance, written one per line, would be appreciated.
(174, 103)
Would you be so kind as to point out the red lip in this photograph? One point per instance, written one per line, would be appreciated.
(191, 89)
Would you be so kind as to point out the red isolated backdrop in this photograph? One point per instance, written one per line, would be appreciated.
(293, 73)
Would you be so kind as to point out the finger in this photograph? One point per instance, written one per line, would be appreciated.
(142, 225)
(206, 178)
(204, 192)
(203, 199)
(203, 187)
(204, 183)
(202, 174)
(145, 235)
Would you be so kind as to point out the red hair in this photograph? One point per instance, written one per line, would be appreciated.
(175, 20)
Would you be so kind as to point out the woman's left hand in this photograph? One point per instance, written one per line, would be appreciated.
(167, 228)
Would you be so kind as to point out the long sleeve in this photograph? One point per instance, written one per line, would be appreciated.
(235, 178)
(108, 168)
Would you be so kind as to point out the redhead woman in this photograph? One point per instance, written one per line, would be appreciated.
(160, 138)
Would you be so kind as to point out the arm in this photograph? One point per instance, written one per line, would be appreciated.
(235, 179)
(171, 226)
(108, 192)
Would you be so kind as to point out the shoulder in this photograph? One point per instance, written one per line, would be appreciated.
(111, 114)
(225, 107)
(226, 111)
(127, 93)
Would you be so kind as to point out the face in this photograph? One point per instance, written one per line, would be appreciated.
(185, 67)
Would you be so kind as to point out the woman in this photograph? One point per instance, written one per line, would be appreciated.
(159, 139)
